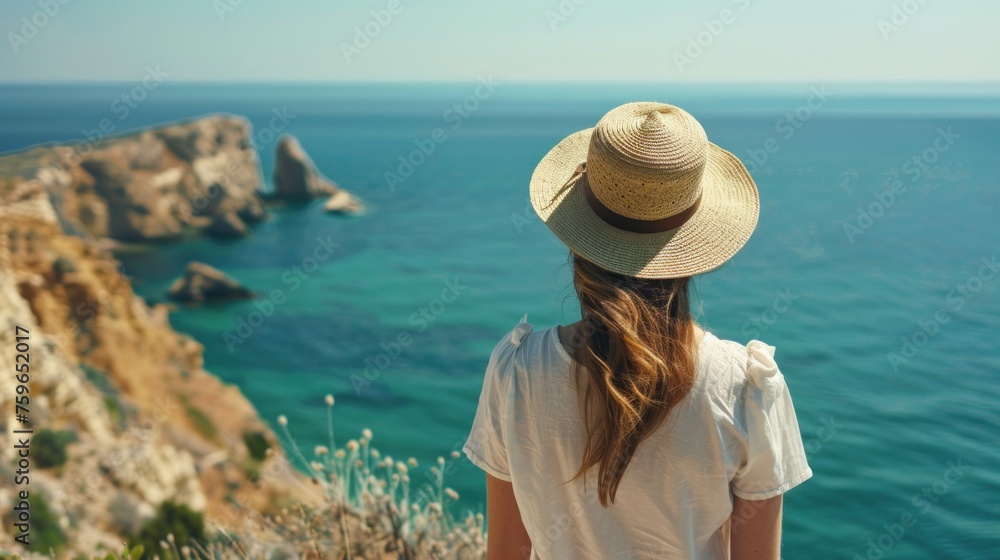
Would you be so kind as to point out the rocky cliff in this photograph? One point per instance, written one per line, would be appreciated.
(146, 422)
(150, 185)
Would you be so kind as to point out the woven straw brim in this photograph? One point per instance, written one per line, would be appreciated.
(722, 224)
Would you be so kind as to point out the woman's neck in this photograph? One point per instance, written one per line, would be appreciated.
(571, 336)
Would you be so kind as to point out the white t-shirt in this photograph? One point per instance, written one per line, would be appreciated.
(735, 433)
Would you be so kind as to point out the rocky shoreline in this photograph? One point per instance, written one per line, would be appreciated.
(144, 423)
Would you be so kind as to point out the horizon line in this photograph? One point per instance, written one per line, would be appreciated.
(885, 82)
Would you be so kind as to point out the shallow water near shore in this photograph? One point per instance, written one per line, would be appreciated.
(883, 307)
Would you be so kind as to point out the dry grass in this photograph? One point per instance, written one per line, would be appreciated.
(369, 509)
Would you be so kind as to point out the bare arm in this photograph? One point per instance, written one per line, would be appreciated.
(756, 529)
(508, 540)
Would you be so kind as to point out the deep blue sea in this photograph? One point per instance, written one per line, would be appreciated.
(882, 308)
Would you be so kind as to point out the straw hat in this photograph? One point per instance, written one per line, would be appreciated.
(645, 194)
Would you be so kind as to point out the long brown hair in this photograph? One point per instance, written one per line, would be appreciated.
(636, 347)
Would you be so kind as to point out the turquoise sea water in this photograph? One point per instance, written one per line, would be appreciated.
(914, 437)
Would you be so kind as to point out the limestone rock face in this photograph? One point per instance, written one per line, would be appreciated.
(150, 423)
(205, 283)
(297, 178)
(132, 214)
(156, 473)
(148, 185)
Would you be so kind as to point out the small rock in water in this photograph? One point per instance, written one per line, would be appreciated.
(343, 202)
(205, 283)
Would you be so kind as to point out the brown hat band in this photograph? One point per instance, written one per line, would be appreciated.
(631, 224)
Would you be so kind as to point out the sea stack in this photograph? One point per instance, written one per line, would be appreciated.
(204, 283)
(297, 178)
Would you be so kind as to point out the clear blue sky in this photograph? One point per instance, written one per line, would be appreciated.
(519, 40)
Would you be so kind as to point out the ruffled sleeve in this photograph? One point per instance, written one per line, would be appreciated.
(486, 446)
(775, 458)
